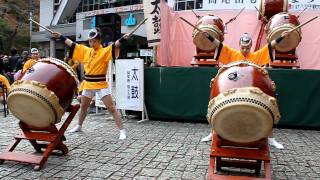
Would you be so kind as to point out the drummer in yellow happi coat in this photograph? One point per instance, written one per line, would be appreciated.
(95, 60)
(4, 81)
(34, 59)
(263, 56)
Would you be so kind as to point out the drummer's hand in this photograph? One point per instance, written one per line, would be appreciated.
(285, 34)
(56, 35)
(126, 36)
(122, 40)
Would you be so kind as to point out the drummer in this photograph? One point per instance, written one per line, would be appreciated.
(95, 60)
(263, 56)
(34, 59)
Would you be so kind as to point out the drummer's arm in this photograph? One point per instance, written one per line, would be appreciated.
(117, 44)
(279, 39)
(67, 41)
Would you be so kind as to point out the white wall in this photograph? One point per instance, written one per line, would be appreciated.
(46, 13)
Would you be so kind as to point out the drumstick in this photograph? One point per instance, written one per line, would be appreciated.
(193, 11)
(191, 24)
(47, 29)
(262, 16)
(302, 24)
(135, 29)
(301, 12)
(234, 18)
(195, 14)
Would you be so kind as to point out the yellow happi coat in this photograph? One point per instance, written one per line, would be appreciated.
(95, 63)
(261, 57)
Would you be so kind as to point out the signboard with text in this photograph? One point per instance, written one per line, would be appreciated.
(152, 12)
(129, 84)
(230, 4)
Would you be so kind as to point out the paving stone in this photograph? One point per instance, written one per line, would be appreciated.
(153, 150)
(150, 172)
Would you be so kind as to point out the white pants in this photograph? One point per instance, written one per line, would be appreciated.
(90, 93)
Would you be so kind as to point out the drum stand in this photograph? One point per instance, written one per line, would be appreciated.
(204, 58)
(33, 134)
(287, 60)
(225, 154)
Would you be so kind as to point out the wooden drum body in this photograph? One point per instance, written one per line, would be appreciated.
(242, 106)
(268, 8)
(211, 24)
(284, 22)
(41, 96)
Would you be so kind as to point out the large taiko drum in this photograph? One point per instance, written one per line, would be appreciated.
(242, 106)
(268, 8)
(41, 96)
(211, 24)
(284, 22)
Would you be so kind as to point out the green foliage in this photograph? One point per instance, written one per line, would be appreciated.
(8, 39)
(5, 32)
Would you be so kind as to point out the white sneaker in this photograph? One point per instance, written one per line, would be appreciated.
(207, 138)
(274, 143)
(123, 134)
(76, 129)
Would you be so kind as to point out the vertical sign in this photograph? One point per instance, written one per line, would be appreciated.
(129, 84)
(151, 10)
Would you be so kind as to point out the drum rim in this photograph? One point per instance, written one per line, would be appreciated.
(237, 63)
(64, 65)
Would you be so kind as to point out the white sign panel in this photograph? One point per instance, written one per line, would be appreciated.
(230, 4)
(146, 52)
(152, 12)
(129, 84)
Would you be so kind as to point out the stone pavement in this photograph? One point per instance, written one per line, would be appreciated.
(153, 150)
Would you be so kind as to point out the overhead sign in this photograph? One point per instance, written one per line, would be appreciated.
(299, 5)
(129, 8)
(131, 20)
(230, 4)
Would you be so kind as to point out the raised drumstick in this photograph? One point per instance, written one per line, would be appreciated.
(262, 16)
(303, 24)
(47, 29)
(135, 29)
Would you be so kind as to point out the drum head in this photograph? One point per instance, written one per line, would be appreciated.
(287, 44)
(243, 115)
(31, 110)
(243, 123)
(202, 41)
(32, 103)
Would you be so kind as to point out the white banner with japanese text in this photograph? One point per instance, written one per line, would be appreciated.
(151, 9)
(230, 4)
(293, 5)
(129, 84)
